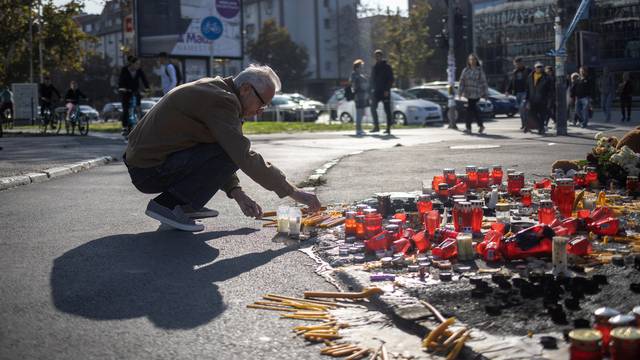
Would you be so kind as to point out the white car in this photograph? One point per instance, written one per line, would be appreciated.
(89, 112)
(406, 109)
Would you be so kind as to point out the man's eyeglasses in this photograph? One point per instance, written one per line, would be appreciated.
(264, 104)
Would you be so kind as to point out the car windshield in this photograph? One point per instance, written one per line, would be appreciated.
(280, 100)
(404, 94)
(395, 96)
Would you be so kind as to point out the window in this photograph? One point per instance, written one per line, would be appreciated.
(327, 66)
(88, 28)
(327, 23)
(109, 23)
(118, 21)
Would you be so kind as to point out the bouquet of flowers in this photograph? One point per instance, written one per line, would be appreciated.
(612, 163)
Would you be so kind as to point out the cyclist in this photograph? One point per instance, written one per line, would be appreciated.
(128, 86)
(72, 98)
(47, 90)
(6, 102)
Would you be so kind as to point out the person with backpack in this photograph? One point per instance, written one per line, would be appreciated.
(358, 86)
(167, 73)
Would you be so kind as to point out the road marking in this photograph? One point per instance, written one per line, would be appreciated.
(473, 147)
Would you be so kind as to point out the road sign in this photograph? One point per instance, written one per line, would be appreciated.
(211, 28)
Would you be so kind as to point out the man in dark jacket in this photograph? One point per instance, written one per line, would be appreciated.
(47, 90)
(518, 87)
(381, 81)
(583, 91)
(537, 96)
(128, 86)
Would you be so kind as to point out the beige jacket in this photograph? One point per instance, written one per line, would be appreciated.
(204, 111)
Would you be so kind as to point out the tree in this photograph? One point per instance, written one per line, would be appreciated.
(407, 40)
(60, 35)
(275, 48)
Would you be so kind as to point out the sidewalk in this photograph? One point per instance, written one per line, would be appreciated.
(22, 154)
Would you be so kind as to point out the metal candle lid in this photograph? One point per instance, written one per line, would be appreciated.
(350, 214)
(470, 168)
(395, 222)
(546, 203)
(585, 335)
(462, 177)
(590, 169)
(515, 176)
(626, 333)
(392, 227)
(370, 212)
(360, 218)
(447, 171)
(483, 169)
(503, 207)
(621, 320)
(605, 312)
(465, 205)
(424, 197)
(632, 178)
(361, 207)
(525, 191)
(443, 186)
(564, 181)
(477, 203)
(496, 167)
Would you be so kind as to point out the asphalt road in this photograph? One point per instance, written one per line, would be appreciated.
(86, 275)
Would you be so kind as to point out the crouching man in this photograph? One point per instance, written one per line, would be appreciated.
(190, 145)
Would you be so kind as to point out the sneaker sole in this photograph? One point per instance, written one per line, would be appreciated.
(202, 215)
(174, 224)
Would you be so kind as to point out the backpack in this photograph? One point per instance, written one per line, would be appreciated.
(348, 93)
(178, 73)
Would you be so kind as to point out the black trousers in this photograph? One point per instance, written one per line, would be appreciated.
(472, 113)
(192, 175)
(386, 103)
(625, 107)
(539, 112)
(125, 99)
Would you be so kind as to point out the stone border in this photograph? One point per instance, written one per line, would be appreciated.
(54, 172)
(317, 178)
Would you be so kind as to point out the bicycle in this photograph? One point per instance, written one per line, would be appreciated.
(76, 118)
(49, 119)
(7, 118)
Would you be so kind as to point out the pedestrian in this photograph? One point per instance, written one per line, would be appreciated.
(72, 98)
(583, 92)
(473, 86)
(607, 92)
(625, 89)
(129, 87)
(537, 97)
(359, 88)
(518, 87)
(6, 103)
(47, 90)
(381, 82)
(571, 98)
(190, 145)
(167, 73)
(551, 107)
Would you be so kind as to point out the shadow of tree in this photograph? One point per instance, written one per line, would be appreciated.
(167, 276)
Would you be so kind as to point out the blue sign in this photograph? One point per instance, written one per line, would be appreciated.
(211, 28)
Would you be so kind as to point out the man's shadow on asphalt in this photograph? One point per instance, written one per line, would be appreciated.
(167, 276)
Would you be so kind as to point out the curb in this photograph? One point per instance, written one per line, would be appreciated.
(54, 172)
(317, 178)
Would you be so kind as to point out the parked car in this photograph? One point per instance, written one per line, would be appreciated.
(405, 109)
(503, 104)
(334, 101)
(283, 108)
(438, 93)
(112, 110)
(89, 112)
(306, 102)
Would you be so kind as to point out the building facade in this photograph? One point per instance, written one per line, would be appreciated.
(107, 28)
(609, 35)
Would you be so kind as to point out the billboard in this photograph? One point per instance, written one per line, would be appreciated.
(190, 28)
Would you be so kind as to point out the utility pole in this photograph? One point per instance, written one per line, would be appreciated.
(452, 112)
(30, 44)
(561, 98)
(40, 44)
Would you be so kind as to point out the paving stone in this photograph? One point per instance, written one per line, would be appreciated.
(13, 181)
(58, 171)
(37, 177)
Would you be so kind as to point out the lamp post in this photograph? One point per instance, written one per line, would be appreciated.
(452, 113)
(561, 98)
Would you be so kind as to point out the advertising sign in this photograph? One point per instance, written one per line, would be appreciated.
(190, 27)
(25, 100)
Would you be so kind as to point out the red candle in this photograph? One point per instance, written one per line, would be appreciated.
(455, 214)
(472, 173)
(483, 178)
(350, 223)
(443, 190)
(515, 182)
(585, 344)
(546, 213)
(432, 222)
(565, 195)
(360, 233)
(424, 204)
(591, 179)
(496, 175)
(525, 196)
(372, 223)
(466, 216)
(476, 216)
(602, 316)
(437, 180)
(579, 179)
(449, 176)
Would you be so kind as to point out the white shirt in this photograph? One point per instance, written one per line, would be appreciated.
(168, 78)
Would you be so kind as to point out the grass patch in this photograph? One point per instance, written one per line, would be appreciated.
(249, 127)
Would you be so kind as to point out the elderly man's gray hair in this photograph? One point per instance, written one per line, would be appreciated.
(262, 77)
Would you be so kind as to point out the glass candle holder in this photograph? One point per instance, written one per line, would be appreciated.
(472, 173)
(282, 215)
(496, 175)
(484, 178)
(449, 176)
(295, 221)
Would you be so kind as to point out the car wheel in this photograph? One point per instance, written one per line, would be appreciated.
(511, 114)
(399, 118)
(345, 118)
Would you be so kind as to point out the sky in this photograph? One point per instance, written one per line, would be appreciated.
(95, 6)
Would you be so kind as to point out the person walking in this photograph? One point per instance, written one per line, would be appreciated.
(128, 87)
(167, 73)
(359, 88)
(47, 90)
(607, 92)
(517, 86)
(571, 98)
(537, 97)
(190, 145)
(473, 86)
(625, 89)
(583, 92)
(381, 82)
(551, 107)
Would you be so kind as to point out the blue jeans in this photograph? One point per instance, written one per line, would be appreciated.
(606, 101)
(522, 107)
(582, 110)
(192, 175)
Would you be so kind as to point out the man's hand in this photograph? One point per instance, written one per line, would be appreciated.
(307, 198)
(247, 205)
